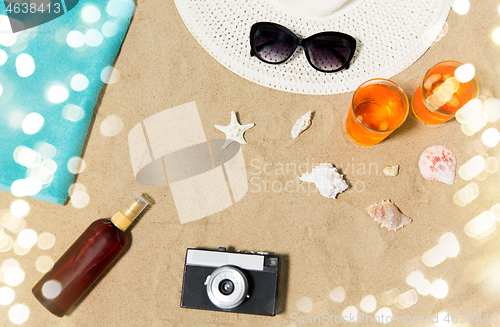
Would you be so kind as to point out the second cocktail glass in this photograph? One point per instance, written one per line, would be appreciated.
(441, 94)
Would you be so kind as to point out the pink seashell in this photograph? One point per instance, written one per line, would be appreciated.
(438, 163)
(388, 215)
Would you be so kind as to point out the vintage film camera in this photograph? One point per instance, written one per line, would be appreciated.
(232, 282)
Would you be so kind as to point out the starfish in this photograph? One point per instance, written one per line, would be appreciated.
(234, 131)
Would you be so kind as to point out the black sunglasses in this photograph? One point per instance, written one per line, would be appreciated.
(327, 52)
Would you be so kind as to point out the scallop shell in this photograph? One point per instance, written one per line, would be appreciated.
(327, 179)
(438, 163)
(388, 215)
(301, 124)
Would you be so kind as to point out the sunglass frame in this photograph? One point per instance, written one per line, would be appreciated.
(303, 43)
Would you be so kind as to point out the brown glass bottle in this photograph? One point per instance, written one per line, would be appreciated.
(86, 260)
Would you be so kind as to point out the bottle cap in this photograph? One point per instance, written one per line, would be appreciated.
(124, 218)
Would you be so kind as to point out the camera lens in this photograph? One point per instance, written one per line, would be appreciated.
(226, 287)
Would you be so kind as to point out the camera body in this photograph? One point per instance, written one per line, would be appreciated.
(229, 281)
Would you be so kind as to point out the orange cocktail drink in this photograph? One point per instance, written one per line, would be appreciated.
(378, 107)
(441, 94)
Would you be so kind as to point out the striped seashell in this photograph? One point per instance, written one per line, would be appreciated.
(438, 163)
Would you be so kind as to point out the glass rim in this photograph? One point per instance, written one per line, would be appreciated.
(422, 89)
(396, 87)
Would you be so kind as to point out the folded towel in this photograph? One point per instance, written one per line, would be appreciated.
(50, 79)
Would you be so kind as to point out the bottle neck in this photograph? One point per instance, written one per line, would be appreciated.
(124, 218)
(121, 221)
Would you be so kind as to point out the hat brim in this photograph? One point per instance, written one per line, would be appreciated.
(390, 35)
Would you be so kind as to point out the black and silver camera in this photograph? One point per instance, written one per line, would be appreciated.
(228, 281)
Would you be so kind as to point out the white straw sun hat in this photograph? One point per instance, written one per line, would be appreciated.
(391, 35)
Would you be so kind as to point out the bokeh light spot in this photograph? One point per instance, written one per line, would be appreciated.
(443, 320)
(16, 117)
(119, 8)
(91, 14)
(383, 315)
(46, 241)
(79, 82)
(492, 109)
(349, 313)
(368, 303)
(478, 122)
(7, 38)
(76, 165)
(3, 57)
(469, 111)
(27, 238)
(6, 242)
(19, 208)
(491, 165)
(44, 264)
(11, 223)
(495, 210)
(27, 157)
(465, 73)
(490, 137)
(19, 313)
(93, 38)
(77, 187)
(439, 289)
(32, 123)
(466, 195)
(28, 186)
(407, 299)
(75, 39)
(389, 297)
(449, 245)
(73, 112)
(472, 168)
(109, 29)
(25, 65)
(305, 304)
(57, 94)
(433, 257)
(110, 75)
(7, 295)
(46, 150)
(19, 250)
(466, 130)
(111, 126)
(9, 263)
(14, 276)
(51, 289)
(80, 199)
(435, 33)
(461, 7)
(481, 226)
(415, 278)
(424, 288)
(338, 294)
(496, 35)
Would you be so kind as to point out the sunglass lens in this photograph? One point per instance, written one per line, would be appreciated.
(272, 44)
(328, 52)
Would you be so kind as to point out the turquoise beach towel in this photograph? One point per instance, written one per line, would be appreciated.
(50, 78)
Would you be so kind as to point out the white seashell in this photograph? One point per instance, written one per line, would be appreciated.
(438, 163)
(391, 170)
(388, 215)
(327, 179)
(301, 124)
